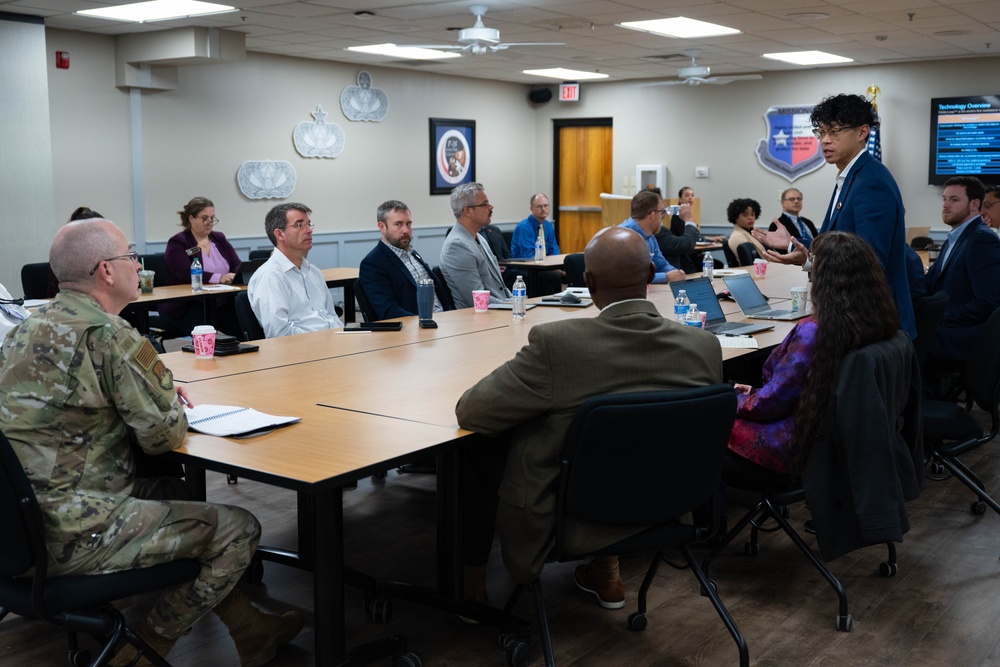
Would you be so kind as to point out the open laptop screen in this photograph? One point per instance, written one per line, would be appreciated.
(701, 292)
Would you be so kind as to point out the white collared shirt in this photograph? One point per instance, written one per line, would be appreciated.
(289, 300)
(841, 179)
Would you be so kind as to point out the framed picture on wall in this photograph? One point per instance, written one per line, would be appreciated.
(453, 154)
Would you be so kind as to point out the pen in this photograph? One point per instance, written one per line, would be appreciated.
(737, 335)
(355, 331)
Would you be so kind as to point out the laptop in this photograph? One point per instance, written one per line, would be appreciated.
(701, 292)
(753, 303)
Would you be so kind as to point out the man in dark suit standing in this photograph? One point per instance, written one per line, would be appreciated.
(533, 397)
(791, 218)
(389, 273)
(968, 269)
(865, 201)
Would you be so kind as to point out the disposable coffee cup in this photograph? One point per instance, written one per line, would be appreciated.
(425, 299)
(203, 338)
(760, 267)
(481, 300)
(146, 281)
(800, 298)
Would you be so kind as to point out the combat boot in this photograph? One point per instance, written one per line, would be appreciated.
(257, 634)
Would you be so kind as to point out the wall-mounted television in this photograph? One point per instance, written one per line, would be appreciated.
(965, 138)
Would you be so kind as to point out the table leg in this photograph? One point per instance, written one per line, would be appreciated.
(327, 540)
(349, 313)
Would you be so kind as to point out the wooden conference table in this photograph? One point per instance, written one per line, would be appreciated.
(352, 426)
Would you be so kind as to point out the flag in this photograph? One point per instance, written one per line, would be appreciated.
(874, 136)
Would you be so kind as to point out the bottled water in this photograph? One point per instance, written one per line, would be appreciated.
(694, 318)
(708, 266)
(540, 244)
(196, 275)
(520, 294)
(681, 304)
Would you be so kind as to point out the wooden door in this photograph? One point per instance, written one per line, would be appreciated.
(583, 152)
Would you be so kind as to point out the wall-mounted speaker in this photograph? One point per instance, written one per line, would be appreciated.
(540, 95)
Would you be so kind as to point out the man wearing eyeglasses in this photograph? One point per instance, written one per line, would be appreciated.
(791, 218)
(79, 387)
(990, 211)
(647, 217)
(287, 293)
(866, 200)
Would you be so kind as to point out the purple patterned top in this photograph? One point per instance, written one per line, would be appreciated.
(765, 423)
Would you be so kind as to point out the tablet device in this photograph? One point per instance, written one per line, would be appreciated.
(373, 326)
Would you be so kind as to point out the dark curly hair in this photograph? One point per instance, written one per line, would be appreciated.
(737, 206)
(844, 111)
(853, 307)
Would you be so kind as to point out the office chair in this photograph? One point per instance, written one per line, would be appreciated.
(928, 312)
(80, 603)
(35, 280)
(872, 417)
(731, 259)
(950, 430)
(247, 269)
(922, 243)
(250, 328)
(363, 302)
(615, 481)
(747, 253)
(574, 267)
(438, 274)
(261, 253)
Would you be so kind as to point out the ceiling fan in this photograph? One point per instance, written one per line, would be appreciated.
(479, 39)
(696, 74)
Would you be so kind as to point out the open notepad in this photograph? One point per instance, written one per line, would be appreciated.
(226, 420)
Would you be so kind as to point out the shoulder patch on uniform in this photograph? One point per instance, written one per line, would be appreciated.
(163, 375)
(145, 356)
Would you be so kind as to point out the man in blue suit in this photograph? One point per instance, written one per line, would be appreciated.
(866, 200)
(968, 270)
(390, 272)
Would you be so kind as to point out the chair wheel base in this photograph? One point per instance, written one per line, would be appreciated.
(751, 548)
(78, 658)
(978, 507)
(409, 659)
(887, 569)
(380, 609)
(844, 623)
(515, 650)
(637, 621)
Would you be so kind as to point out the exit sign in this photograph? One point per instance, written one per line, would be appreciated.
(569, 92)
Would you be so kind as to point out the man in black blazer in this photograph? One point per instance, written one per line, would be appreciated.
(791, 218)
(390, 272)
(968, 269)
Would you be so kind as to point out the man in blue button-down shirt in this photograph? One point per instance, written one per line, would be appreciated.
(647, 216)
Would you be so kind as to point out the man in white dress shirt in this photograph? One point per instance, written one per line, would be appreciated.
(288, 294)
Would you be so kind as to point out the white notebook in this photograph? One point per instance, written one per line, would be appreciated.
(226, 420)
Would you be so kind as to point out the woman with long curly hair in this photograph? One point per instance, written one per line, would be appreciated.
(851, 308)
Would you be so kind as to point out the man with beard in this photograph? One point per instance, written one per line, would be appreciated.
(390, 272)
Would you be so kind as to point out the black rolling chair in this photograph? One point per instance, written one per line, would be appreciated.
(35, 280)
(927, 312)
(615, 481)
(160, 328)
(438, 274)
(247, 269)
(951, 431)
(250, 328)
(574, 267)
(922, 243)
(363, 302)
(261, 253)
(731, 259)
(890, 416)
(76, 603)
(747, 253)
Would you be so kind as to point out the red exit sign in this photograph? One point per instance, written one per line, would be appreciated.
(569, 92)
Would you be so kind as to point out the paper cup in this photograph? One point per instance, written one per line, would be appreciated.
(146, 281)
(203, 338)
(760, 267)
(800, 298)
(481, 300)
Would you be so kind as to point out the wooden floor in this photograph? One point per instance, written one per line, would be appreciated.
(941, 609)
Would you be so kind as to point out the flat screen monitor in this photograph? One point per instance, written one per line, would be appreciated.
(965, 138)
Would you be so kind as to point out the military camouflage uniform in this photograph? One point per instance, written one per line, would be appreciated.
(77, 386)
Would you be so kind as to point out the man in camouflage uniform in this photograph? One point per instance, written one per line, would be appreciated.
(78, 388)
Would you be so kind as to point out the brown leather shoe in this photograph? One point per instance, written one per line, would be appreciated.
(610, 593)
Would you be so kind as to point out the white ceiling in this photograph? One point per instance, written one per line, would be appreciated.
(869, 31)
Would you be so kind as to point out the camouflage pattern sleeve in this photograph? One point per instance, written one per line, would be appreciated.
(142, 388)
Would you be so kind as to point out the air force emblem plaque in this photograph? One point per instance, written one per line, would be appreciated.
(790, 149)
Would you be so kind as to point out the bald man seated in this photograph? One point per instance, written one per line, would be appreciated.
(532, 399)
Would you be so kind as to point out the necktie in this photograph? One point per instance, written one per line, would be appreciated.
(806, 236)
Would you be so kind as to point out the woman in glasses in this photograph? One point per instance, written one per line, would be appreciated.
(219, 261)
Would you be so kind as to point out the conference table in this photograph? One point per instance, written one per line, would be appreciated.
(369, 402)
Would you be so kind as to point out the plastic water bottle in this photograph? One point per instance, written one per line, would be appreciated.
(708, 266)
(540, 244)
(693, 318)
(520, 294)
(196, 275)
(681, 304)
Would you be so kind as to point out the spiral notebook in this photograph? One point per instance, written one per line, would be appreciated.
(230, 420)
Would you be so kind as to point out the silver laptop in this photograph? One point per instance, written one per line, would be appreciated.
(701, 292)
(753, 303)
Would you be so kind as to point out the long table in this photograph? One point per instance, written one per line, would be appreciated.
(369, 402)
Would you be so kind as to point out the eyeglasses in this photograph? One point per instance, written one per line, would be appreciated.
(833, 131)
(792, 199)
(133, 256)
(485, 203)
(661, 211)
(300, 225)
(987, 205)
(205, 220)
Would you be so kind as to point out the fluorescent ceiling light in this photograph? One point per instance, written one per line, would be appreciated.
(808, 58)
(408, 52)
(564, 74)
(680, 27)
(157, 10)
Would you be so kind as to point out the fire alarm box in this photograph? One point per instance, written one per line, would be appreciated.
(62, 59)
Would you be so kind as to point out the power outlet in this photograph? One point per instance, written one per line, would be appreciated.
(701, 172)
